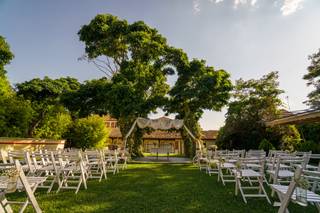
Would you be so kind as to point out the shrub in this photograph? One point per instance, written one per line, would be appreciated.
(307, 146)
(88, 132)
(55, 124)
(291, 139)
(15, 117)
(266, 145)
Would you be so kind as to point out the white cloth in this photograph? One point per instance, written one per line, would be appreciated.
(160, 123)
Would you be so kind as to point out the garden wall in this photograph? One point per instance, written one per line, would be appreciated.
(7, 144)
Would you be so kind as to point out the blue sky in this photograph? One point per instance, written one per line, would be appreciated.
(248, 38)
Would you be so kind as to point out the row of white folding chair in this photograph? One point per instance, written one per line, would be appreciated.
(227, 162)
(281, 174)
(314, 167)
(288, 193)
(272, 159)
(73, 170)
(112, 160)
(17, 180)
(62, 168)
(256, 153)
(71, 166)
(96, 165)
(250, 171)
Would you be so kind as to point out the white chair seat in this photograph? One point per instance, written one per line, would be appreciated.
(311, 167)
(31, 180)
(311, 196)
(228, 165)
(248, 173)
(282, 173)
(252, 165)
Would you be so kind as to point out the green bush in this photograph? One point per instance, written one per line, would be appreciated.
(307, 146)
(291, 139)
(55, 124)
(15, 117)
(266, 145)
(89, 132)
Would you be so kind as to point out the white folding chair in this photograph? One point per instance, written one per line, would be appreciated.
(73, 171)
(96, 164)
(244, 173)
(123, 158)
(293, 191)
(284, 168)
(226, 165)
(29, 184)
(111, 161)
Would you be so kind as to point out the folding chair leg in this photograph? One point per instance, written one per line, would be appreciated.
(262, 188)
(24, 206)
(5, 206)
(241, 191)
(79, 185)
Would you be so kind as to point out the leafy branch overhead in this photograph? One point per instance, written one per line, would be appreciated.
(313, 78)
(137, 60)
(111, 41)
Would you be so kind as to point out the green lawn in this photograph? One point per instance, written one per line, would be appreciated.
(145, 154)
(156, 188)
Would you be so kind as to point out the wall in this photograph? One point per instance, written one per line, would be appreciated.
(10, 144)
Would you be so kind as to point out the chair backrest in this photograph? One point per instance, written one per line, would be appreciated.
(291, 162)
(229, 156)
(240, 152)
(93, 155)
(252, 162)
(313, 178)
(256, 153)
(27, 187)
(16, 155)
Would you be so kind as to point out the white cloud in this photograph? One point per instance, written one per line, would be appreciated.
(196, 6)
(244, 2)
(291, 6)
(288, 7)
(236, 3)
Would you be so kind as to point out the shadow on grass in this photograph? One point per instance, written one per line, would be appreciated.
(155, 188)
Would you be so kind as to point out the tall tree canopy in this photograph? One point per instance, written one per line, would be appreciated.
(5, 57)
(313, 78)
(90, 98)
(133, 57)
(198, 88)
(15, 112)
(44, 95)
(253, 102)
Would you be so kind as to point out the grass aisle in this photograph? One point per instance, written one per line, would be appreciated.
(156, 188)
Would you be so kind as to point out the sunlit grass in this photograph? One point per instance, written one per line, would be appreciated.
(145, 154)
(156, 188)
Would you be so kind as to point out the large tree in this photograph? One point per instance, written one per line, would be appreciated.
(253, 102)
(132, 56)
(90, 98)
(5, 57)
(313, 78)
(44, 95)
(199, 87)
(15, 112)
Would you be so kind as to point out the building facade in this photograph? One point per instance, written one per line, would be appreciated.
(169, 140)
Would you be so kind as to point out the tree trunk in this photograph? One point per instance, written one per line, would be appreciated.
(189, 143)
